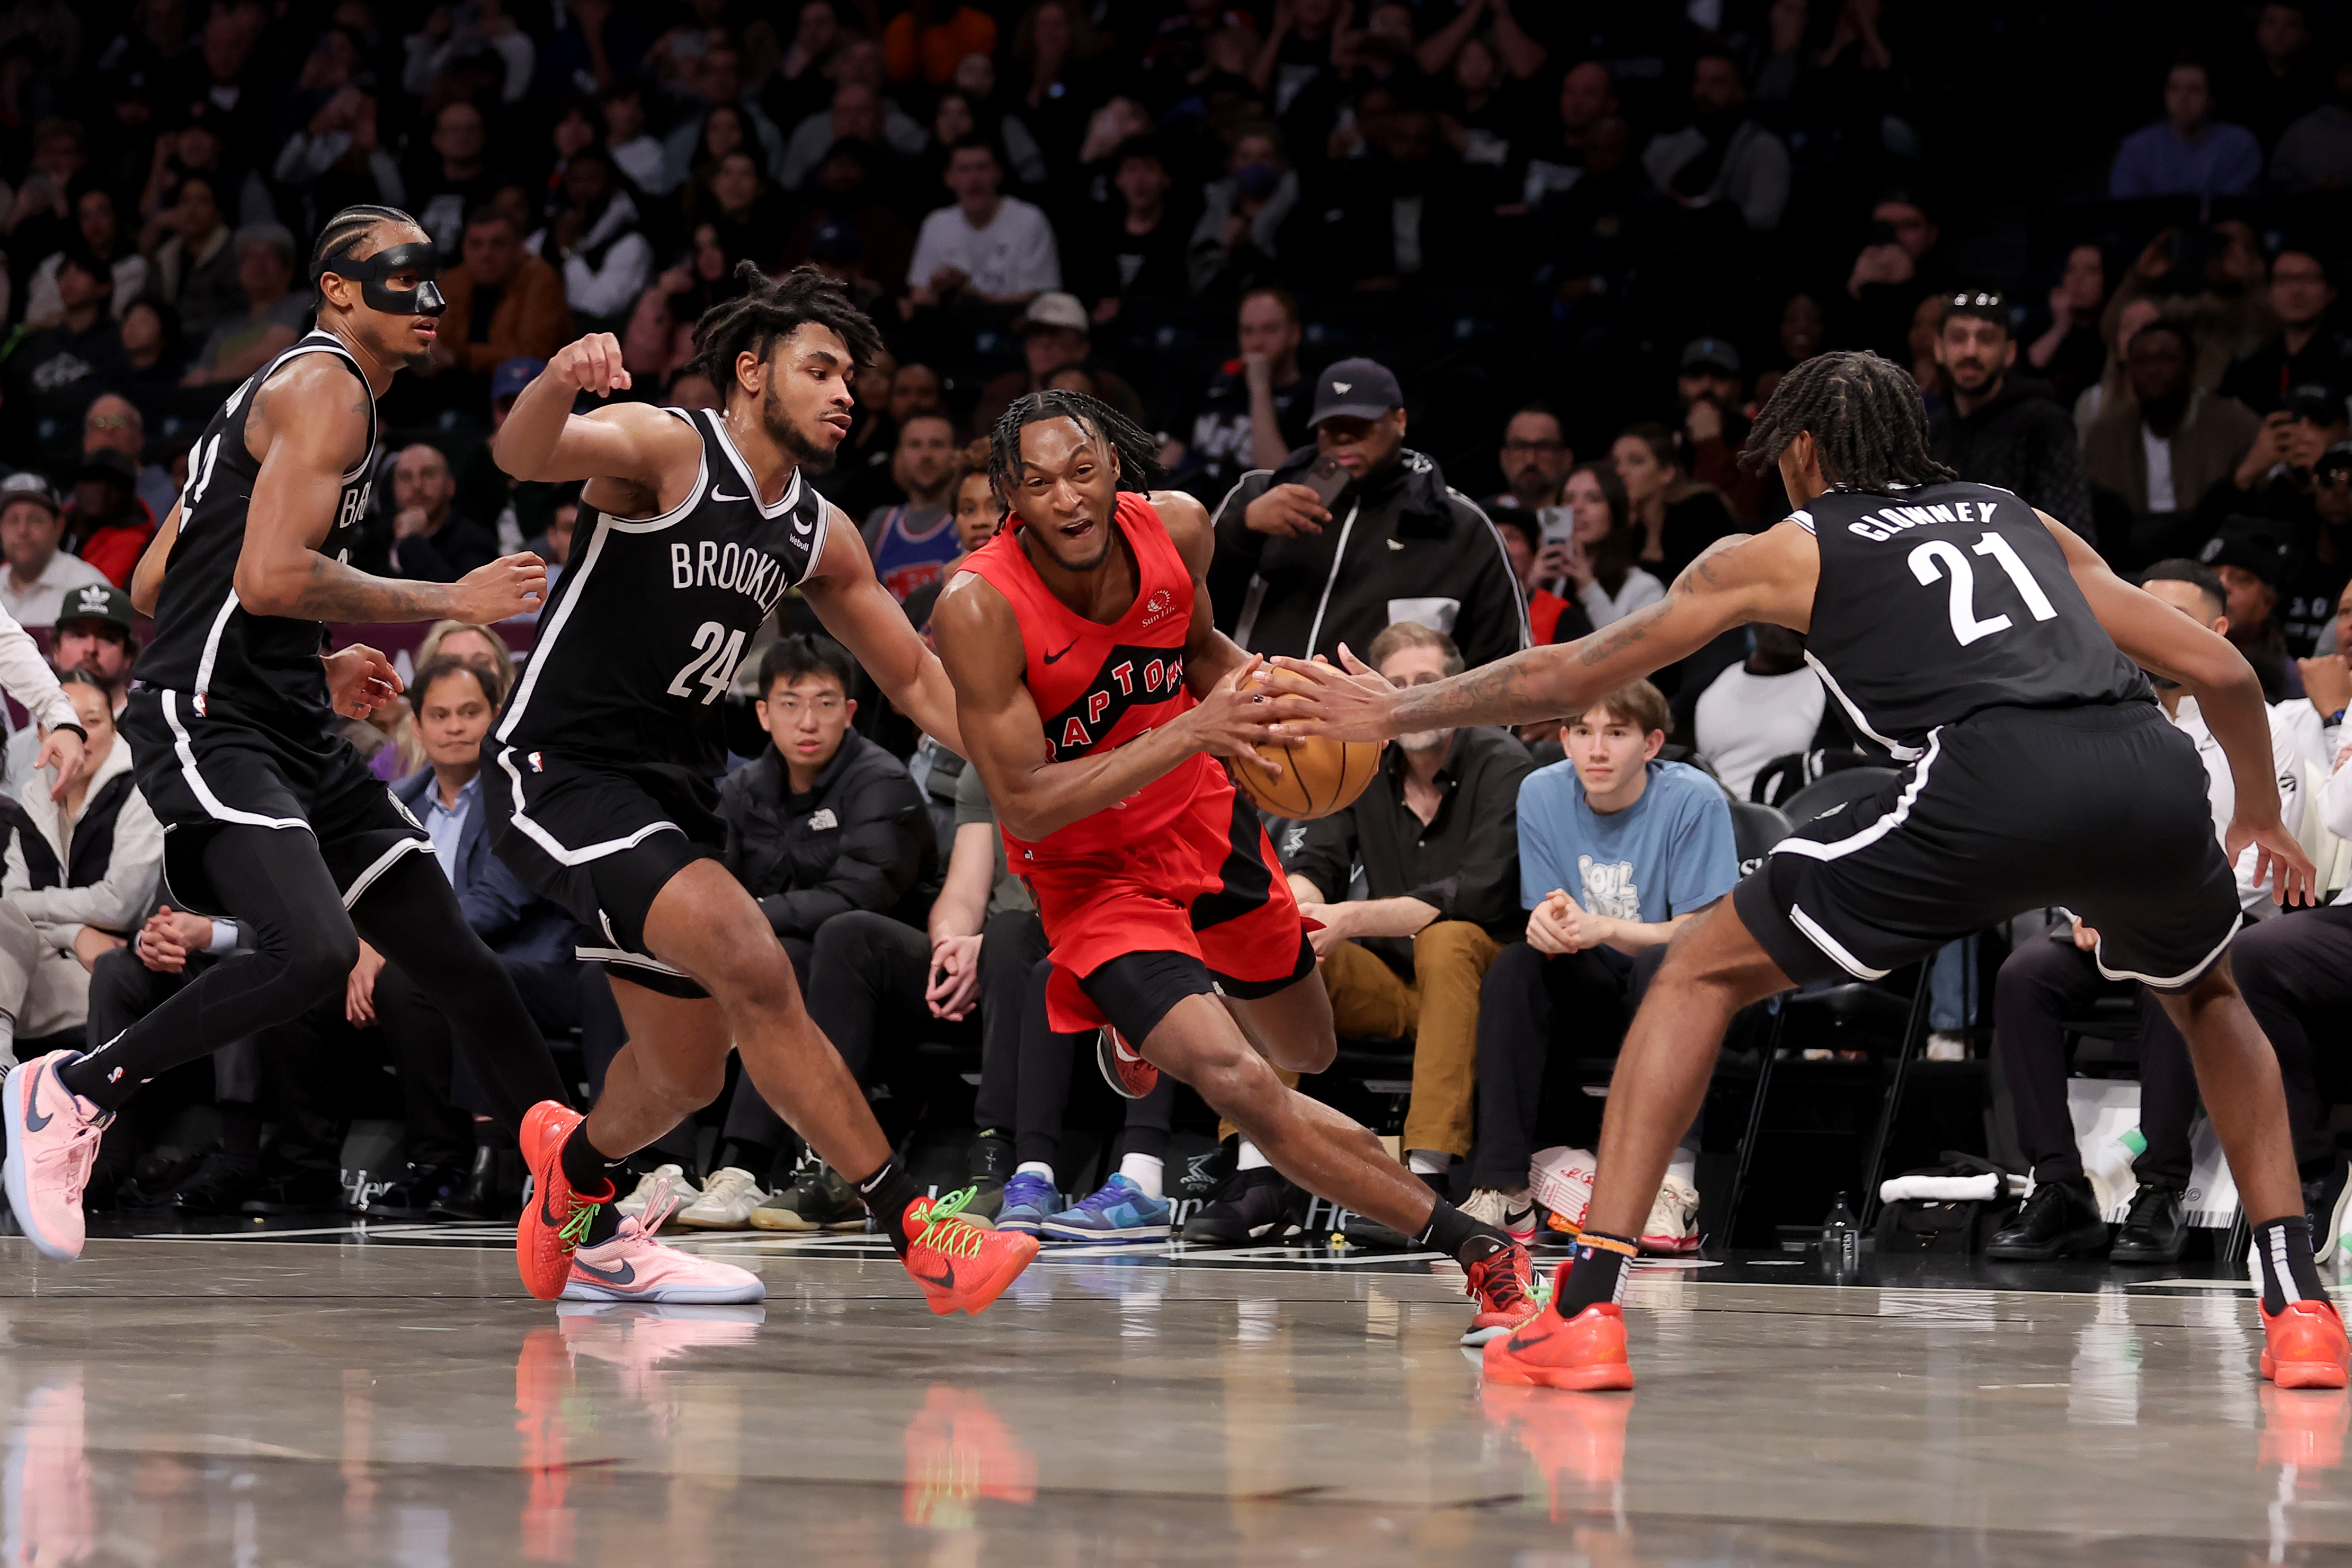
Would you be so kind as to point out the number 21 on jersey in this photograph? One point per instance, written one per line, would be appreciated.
(1942, 558)
(716, 655)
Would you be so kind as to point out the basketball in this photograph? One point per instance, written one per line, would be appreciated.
(1318, 776)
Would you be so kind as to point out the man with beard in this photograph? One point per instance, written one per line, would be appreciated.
(1722, 156)
(1999, 428)
(2163, 447)
(695, 525)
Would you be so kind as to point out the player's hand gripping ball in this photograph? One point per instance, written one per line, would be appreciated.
(1318, 776)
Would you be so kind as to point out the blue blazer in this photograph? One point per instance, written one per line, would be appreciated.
(516, 922)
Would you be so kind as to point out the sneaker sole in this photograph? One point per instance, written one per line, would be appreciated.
(1475, 1337)
(1106, 1064)
(743, 1223)
(669, 1296)
(18, 1088)
(1117, 1233)
(1605, 1378)
(2304, 1373)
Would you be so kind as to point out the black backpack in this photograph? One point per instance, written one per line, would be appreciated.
(1930, 1224)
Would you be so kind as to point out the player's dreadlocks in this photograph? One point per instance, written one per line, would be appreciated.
(1139, 454)
(771, 308)
(344, 231)
(1868, 424)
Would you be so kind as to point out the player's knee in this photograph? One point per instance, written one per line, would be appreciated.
(1312, 1054)
(317, 957)
(1235, 1082)
(751, 970)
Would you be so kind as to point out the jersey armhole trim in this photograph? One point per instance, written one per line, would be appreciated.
(655, 524)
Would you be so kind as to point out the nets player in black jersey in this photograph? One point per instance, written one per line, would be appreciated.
(268, 814)
(1993, 650)
(693, 525)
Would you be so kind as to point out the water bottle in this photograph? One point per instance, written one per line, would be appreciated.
(1842, 1240)
(2109, 1169)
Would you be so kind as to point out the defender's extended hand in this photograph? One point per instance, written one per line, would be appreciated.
(1356, 703)
(2278, 854)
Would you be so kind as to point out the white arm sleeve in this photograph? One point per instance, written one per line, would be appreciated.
(25, 675)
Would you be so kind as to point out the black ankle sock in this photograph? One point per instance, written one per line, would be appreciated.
(1460, 1237)
(241, 1138)
(106, 1087)
(593, 1175)
(1594, 1272)
(2282, 1269)
(888, 1192)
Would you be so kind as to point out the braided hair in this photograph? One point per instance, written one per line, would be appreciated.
(770, 309)
(1139, 454)
(339, 239)
(1868, 424)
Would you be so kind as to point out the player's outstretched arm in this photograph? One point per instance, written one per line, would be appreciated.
(980, 645)
(308, 426)
(863, 618)
(1766, 576)
(636, 443)
(2156, 636)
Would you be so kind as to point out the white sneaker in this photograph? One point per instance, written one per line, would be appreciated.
(727, 1200)
(1944, 1045)
(1673, 1225)
(1492, 1205)
(649, 1186)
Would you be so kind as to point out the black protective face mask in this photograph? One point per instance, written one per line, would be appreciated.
(419, 256)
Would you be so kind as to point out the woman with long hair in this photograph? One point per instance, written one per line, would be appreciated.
(1676, 518)
(1601, 555)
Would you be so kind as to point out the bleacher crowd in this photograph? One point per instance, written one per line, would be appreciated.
(1526, 268)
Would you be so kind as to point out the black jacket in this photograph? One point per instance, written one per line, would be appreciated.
(1402, 546)
(2022, 441)
(860, 840)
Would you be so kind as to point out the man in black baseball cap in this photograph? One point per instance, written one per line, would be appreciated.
(1356, 532)
(1708, 383)
(95, 634)
(2250, 554)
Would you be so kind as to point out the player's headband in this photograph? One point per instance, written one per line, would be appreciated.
(418, 257)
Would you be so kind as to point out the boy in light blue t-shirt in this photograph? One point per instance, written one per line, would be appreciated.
(1617, 849)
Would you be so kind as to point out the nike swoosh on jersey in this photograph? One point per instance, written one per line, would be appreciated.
(34, 1120)
(626, 1274)
(1052, 657)
(718, 494)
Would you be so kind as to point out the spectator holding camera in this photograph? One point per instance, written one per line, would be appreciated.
(2306, 350)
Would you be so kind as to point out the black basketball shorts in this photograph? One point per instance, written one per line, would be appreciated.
(601, 839)
(203, 767)
(2102, 810)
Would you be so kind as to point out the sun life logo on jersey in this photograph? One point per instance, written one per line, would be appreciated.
(1158, 608)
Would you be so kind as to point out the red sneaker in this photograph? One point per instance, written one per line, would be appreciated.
(1587, 1351)
(961, 1265)
(1504, 1286)
(1122, 1068)
(2304, 1347)
(556, 1219)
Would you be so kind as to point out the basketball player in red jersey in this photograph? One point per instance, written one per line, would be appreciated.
(1095, 695)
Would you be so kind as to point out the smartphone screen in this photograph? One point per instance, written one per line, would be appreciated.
(1558, 524)
(1327, 477)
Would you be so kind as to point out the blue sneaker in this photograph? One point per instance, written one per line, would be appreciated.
(1120, 1211)
(1029, 1198)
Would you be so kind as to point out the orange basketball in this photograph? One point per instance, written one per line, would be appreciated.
(1318, 776)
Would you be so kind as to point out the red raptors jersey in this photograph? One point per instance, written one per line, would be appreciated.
(1098, 685)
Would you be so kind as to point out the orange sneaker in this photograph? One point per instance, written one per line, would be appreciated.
(1504, 1286)
(961, 1265)
(1587, 1351)
(557, 1217)
(2304, 1347)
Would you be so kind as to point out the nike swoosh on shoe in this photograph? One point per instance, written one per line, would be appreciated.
(34, 1120)
(626, 1274)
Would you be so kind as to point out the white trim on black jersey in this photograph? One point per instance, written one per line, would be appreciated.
(214, 807)
(1837, 951)
(556, 847)
(1901, 753)
(1838, 849)
(784, 503)
(211, 642)
(2165, 982)
(382, 863)
(622, 956)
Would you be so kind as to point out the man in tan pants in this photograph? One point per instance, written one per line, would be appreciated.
(1437, 833)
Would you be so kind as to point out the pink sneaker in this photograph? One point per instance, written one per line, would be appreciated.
(53, 1136)
(634, 1267)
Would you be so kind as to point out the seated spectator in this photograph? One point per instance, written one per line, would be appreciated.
(2249, 556)
(1135, 246)
(1765, 707)
(39, 217)
(337, 160)
(504, 302)
(478, 645)
(1055, 335)
(1437, 833)
(1708, 387)
(1253, 413)
(824, 822)
(1617, 851)
(1723, 155)
(2000, 427)
(1419, 551)
(430, 542)
(1676, 518)
(99, 236)
(1902, 265)
(195, 269)
(108, 526)
(2215, 279)
(1801, 329)
(2307, 350)
(2070, 354)
(2162, 447)
(1534, 458)
(1236, 243)
(636, 152)
(1058, 78)
(963, 111)
(2314, 153)
(746, 217)
(2043, 981)
(93, 635)
(987, 246)
(1555, 162)
(1536, 564)
(2274, 480)
(858, 112)
(449, 178)
(460, 1165)
(2319, 565)
(925, 42)
(274, 316)
(977, 513)
(81, 873)
(113, 423)
(1600, 563)
(2187, 152)
(39, 575)
(721, 86)
(1406, 211)
(53, 375)
(848, 195)
(911, 541)
(485, 32)
(597, 241)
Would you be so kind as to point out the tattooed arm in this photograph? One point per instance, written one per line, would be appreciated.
(1768, 576)
(308, 424)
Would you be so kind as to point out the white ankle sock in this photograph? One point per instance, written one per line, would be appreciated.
(1427, 1161)
(1144, 1171)
(1034, 1168)
(1683, 1164)
(1251, 1157)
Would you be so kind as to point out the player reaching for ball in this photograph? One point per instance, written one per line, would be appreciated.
(1095, 696)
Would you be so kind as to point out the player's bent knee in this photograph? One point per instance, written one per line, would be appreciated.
(318, 960)
(1236, 1083)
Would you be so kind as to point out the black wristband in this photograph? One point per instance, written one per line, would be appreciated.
(76, 728)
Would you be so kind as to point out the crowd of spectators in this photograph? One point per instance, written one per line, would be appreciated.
(1552, 257)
